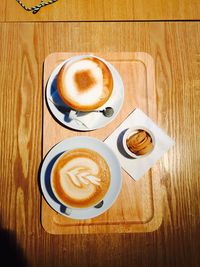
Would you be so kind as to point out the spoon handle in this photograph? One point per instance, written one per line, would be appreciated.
(60, 107)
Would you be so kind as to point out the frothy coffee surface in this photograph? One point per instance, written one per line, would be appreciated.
(85, 84)
(80, 178)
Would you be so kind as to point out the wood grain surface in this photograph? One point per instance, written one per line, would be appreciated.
(3, 11)
(175, 48)
(101, 10)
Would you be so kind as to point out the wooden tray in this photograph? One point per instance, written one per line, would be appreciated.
(138, 207)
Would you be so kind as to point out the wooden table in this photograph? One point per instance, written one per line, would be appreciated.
(176, 50)
(103, 10)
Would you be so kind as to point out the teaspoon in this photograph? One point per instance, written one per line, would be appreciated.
(107, 112)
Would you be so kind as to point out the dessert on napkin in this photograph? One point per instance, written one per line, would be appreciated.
(137, 167)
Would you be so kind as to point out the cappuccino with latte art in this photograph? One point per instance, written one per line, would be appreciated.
(80, 178)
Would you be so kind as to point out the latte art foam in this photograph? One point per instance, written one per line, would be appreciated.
(85, 84)
(80, 178)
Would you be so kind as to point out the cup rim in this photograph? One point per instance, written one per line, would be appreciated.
(59, 199)
(128, 133)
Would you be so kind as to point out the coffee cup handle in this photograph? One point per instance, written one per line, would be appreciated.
(72, 115)
(99, 205)
(68, 211)
(65, 210)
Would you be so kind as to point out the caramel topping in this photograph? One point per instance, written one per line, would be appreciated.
(140, 143)
(84, 80)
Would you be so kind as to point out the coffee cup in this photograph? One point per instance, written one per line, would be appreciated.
(85, 83)
(80, 178)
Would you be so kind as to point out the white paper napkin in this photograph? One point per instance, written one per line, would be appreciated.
(136, 168)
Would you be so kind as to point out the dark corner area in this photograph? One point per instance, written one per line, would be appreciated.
(11, 254)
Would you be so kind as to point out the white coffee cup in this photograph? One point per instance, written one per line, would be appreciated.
(84, 83)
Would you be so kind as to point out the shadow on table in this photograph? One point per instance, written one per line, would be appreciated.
(11, 254)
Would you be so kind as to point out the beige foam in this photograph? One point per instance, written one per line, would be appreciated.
(85, 84)
(80, 178)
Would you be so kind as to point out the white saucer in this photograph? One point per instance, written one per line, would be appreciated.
(81, 142)
(90, 121)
